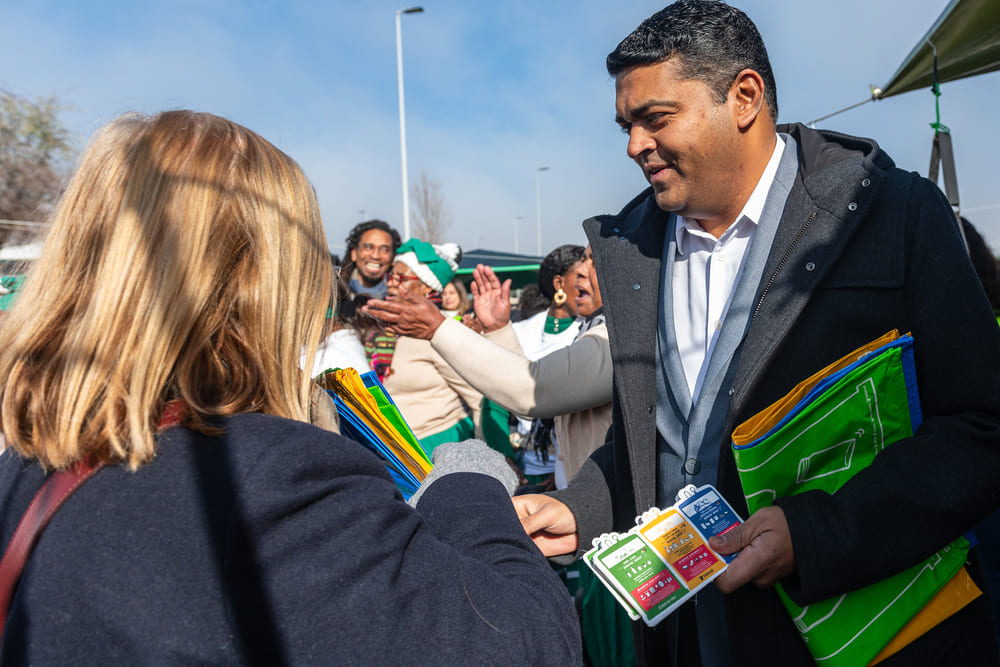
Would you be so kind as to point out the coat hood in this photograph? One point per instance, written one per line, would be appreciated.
(820, 149)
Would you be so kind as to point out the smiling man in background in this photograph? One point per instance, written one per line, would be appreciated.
(760, 254)
(371, 247)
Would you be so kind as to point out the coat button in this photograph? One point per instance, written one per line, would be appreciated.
(865, 183)
(852, 206)
(732, 390)
(810, 266)
(623, 238)
(617, 230)
(692, 466)
(635, 285)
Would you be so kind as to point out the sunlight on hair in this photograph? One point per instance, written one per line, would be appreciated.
(187, 260)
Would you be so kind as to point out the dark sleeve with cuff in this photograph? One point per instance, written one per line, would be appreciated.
(590, 497)
(458, 573)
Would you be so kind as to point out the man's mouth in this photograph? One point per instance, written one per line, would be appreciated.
(653, 170)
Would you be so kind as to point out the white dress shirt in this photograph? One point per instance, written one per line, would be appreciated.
(705, 271)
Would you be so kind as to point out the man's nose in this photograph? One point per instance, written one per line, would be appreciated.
(639, 141)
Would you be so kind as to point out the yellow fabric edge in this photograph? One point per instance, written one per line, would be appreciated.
(953, 596)
(768, 418)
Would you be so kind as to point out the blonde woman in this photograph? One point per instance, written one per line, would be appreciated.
(159, 334)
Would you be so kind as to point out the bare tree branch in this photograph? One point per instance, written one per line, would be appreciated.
(431, 215)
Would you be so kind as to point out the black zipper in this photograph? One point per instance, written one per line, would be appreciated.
(777, 270)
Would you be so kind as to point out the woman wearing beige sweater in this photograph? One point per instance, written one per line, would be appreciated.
(436, 402)
(572, 384)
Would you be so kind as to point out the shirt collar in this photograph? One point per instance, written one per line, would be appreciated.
(753, 208)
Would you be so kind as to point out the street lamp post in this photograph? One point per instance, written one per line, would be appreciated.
(402, 117)
(516, 220)
(538, 204)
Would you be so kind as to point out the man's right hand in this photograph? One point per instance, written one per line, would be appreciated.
(548, 522)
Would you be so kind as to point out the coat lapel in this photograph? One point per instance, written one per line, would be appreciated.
(815, 227)
(679, 394)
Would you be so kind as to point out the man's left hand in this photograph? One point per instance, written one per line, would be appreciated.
(765, 545)
(409, 314)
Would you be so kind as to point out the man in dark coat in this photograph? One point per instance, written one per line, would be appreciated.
(761, 254)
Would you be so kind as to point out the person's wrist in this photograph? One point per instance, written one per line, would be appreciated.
(496, 326)
(436, 321)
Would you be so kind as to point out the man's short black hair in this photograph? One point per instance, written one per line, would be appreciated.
(556, 263)
(711, 42)
(354, 238)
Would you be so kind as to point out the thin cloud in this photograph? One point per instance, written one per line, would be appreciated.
(493, 91)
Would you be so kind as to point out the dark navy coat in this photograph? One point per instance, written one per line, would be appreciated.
(278, 543)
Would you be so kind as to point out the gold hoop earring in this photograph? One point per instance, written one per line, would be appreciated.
(560, 297)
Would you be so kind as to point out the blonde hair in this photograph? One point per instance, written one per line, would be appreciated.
(186, 260)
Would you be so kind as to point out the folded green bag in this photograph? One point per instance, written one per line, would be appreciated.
(821, 438)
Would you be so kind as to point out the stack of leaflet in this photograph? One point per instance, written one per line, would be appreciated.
(665, 559)
(369, 416)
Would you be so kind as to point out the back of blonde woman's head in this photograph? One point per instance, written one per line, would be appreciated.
(186, 260)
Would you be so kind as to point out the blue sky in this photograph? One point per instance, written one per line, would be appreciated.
(493, 91)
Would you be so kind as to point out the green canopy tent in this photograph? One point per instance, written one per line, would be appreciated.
(966, 40)
(15, 262)
(521, 269)
(9, 286)
(963, 42)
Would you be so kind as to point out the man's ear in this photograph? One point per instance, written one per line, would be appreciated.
(747, 92)
(354, 255)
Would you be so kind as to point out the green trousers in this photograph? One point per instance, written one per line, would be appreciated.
(462, 430)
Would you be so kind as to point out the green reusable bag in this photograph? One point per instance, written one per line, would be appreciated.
(819, 439)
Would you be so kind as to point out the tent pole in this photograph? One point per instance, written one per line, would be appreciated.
(942, 153)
